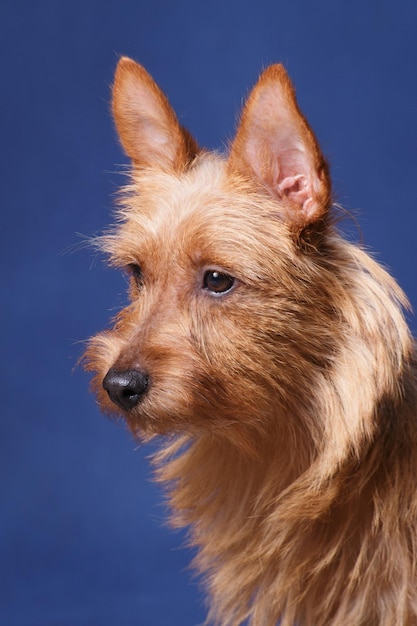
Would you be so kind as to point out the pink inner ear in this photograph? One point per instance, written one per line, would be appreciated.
(298, 189)
(282, 162)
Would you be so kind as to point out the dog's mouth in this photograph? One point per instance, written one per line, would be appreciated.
(128, 394)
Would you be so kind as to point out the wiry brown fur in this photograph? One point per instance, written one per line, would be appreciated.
(289, 403)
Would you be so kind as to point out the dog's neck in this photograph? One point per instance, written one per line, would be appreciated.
(261, 520)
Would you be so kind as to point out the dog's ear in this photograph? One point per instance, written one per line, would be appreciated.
(275, 144)
(147, 125)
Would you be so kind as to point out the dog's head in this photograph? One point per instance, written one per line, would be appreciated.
(234, 312)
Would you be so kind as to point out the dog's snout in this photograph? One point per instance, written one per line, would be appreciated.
(126, 388)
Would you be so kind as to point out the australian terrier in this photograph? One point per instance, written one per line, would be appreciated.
(273, 358)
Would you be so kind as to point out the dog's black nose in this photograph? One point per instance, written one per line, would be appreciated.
(125, 388)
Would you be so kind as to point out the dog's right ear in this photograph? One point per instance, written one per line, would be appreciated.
(147, 125)
(276, 147)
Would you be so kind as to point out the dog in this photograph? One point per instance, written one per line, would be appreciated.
(272, 359)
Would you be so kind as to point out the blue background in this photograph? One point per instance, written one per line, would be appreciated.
(82, 535)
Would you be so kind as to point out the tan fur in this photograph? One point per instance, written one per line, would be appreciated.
(287, 404)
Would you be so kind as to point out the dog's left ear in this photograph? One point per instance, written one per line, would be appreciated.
(275, 144)
(148, 128)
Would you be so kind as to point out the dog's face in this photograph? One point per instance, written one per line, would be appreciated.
(222, 290)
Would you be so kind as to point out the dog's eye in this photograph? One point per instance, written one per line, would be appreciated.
(217, 282)
(136, 271)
